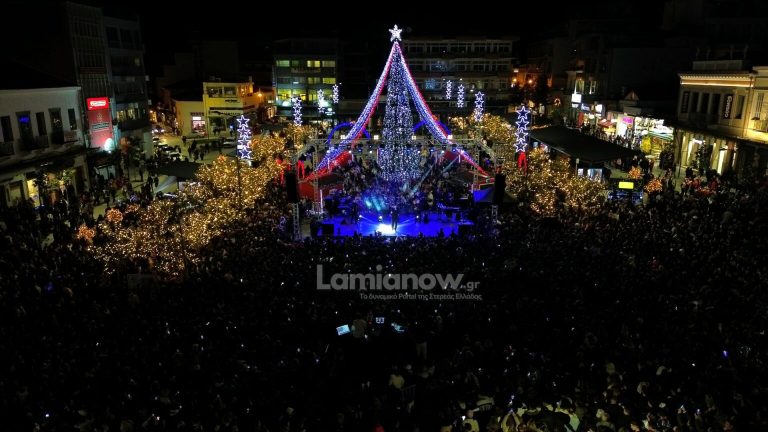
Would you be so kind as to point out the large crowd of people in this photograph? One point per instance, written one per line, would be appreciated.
(630, 318)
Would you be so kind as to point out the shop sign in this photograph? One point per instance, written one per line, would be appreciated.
(727, 106)
(99, 103)
(584, 107)
(628, 120)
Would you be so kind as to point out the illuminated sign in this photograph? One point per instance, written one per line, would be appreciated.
(626, 185)
(628, 120)
(727, 106)
(97, 103)
(576, 98)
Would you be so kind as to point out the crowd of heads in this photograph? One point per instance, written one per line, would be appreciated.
(628, 317)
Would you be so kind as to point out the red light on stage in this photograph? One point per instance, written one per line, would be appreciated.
(99, 103)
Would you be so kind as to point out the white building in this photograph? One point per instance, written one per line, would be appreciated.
(41, 137)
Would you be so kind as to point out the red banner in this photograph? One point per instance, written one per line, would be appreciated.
(100, 103)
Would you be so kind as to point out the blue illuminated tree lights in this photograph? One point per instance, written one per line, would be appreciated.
(521, 135)
(448, 90)
(296, 103)
(479, 106)
(460, 96)
(399, 161)
(243, 138)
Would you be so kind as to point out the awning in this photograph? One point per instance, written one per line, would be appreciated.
(586, 148)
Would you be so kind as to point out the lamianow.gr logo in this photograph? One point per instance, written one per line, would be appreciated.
(393, 281)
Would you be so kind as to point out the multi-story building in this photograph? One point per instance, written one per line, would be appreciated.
(721, 114)
(42, 153)
(129, 80)
(224, 102)
(301, 68)
(479, 64)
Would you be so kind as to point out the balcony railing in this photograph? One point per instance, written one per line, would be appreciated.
(6, 148)
(34, 143)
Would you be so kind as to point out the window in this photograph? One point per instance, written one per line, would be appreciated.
(715, 107)
(127, 38)
(329, 80)
(313, 63)
(295, 63)
(329, 63)
(112, 39)
(25, 125)
(740, 107)
(759, 106)
(72, 119)
(705, 102)
(41, 128)
(314, 80)
(695, 103)
(57, 128)
(283, 63)
(5, 123)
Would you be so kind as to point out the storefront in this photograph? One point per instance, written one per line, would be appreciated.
(45, 182)
(706, 151)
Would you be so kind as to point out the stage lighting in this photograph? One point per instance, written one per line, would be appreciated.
(385, 229)
(381, 218)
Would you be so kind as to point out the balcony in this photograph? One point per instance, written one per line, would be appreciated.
(6, 148)
(33, 143)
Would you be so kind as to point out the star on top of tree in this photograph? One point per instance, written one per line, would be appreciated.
(395, 34)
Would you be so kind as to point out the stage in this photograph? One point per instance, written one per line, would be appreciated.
(369, 224)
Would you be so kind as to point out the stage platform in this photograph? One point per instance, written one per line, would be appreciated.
(409, 226)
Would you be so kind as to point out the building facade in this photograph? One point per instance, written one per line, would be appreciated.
(301, 68)
(223, 102)
(721, 115)
(129, 81)
(42, 153)
(477, 64)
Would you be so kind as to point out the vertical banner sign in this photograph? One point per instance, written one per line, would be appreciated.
(100, 123)
(686, 100)
(727, 106)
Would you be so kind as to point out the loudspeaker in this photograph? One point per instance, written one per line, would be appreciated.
(499, 185)
(327, 229)
(291, 187)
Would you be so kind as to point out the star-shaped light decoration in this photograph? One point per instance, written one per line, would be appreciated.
(242, 121)
(521, 134)
(395, 34)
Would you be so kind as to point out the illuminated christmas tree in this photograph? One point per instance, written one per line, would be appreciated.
(399, 160)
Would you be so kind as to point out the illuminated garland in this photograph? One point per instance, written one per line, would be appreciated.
(243, 138)
(479, 106)
(460, 96)
(85, 233)
(114, 216)
(635, 173)
(296, 103)
(335, 94)
(654, 186)
(320, 101)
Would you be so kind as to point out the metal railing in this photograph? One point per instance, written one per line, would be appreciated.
(33, 143)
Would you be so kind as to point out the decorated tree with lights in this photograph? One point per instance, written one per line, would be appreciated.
(398, 160)
(548, 183)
